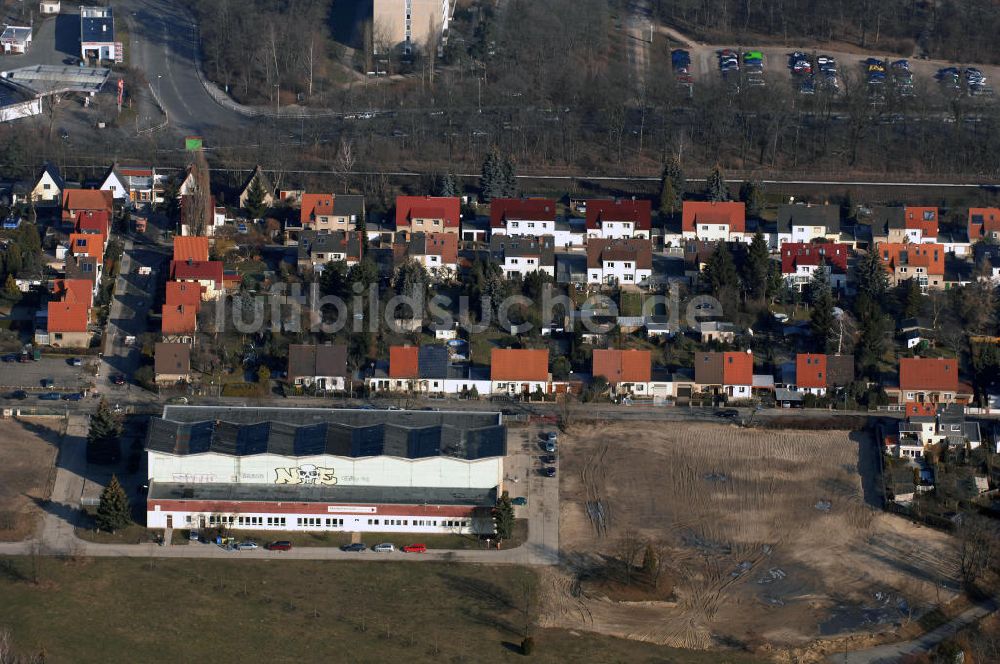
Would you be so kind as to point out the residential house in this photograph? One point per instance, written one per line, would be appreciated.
(816, 373)
(171, 363)
(321, 366)
(206, 274)
(326, 213)
(424, 369)
(924, 379)
(48, 186)
(257, 178)
(955, 242)
(190, 248)
(430, 214)
(940, 425)
(437, 252)
(134, 184)
(628, 372)
(710, 221)
(616, 219)
(984, 224)
(198, 221)
(987, 257)
(805, 223)
(724, 374)
(520, 256)
(719, 331)
(923, 262)
(523, 216)
(179, 323)
(96, 222)
(519, 371)
(67, 324)
(318, 249)
(184, 292)
(801, 260)
(626, 262)
(89, 245)
(75, 201)
(905, 224)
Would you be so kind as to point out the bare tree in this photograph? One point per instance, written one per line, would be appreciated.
(629, 547)
(978, 542)
(344, 163)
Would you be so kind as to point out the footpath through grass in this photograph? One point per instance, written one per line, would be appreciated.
(160, 610)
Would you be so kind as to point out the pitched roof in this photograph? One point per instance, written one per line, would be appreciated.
(528, 209)
(88, 244)
(197, 271)
(924, 219)
(920, 409)
(543, 247)
(623, 366)
(723, 368)
(930, 256)
(68, 316)
(179, 319)
(348, 243)
(265, 183)
(446, 208)
(810, 370)
(53, 172)
(519, 364)
(171, 358)
(75, 291)
(834, 254)
(638, 250)
(183, 292)
(93, 221)
(839, 370)
(983, 222)
(444, 245)
(190, 248)
(732, 215)
(403, 362)
(924, 373)
(637, 211)
(315, 205)
(827, 216)
(87, 199)
(310, 360)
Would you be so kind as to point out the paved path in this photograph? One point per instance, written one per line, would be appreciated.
(893, 652)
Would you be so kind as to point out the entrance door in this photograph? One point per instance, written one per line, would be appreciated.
(170, 521)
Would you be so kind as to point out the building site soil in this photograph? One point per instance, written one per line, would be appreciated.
(28, 451)
(765, 538)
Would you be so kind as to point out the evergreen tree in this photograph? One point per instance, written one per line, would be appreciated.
(911, 298)
(671, 187)
(821, 320)
(717, 189)
(491, 182)
(10, 289)
(720, 270)
(870, 276)
(752, 194)
(255, 200)
(509, 178)
(447, 185)
(113, 512)
(333, 279)
(758, 268)
(873, 331)
(364, 272)
(503, 517)
(103, 438)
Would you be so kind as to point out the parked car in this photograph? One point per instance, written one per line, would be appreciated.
(550, 471)
(280, 545)
(48, 382)
(550, 446)
(72, 396)
(49, 396)
(117, 379)
(384, 547)
(75, 362)
(247, 546)
(20, 395)
(10, 357)
(548, 459)
(357, 547)
(194, 536)
(520, 500)
(415, 548)
(728, 413)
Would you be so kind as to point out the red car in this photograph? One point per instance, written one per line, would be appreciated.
(415, 548)
(282, 545)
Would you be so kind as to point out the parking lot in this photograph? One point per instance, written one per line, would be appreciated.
(28, 376)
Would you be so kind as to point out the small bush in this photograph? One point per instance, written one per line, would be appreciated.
(527, 645)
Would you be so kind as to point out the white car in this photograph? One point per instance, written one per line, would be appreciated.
(385, 547)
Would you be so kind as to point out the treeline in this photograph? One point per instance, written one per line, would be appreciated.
(961, 30)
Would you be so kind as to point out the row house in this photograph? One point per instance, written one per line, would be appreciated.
(427, 370)
(208, 275)
(984, 224)
(617, 219)
(628, 372)
(321, 366)
(327, 213)
(805, 223)
(532, 217)
(724, 374)
(713, 221)
(904, 224)
(519, 371)
(816, 373)
(923, 262)
(521, 256)
(929, 380)
(75, 201)
(436, 252)
(801, 260)
(96, 222)
(317, 249)
(428, 214)
(628, 262)
(191, 248)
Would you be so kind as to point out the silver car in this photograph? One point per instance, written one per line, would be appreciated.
(385, 547)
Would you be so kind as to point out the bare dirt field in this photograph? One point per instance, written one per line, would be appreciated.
(765, 538)
(27, 467)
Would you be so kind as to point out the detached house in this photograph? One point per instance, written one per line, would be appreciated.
(75, 201)
(326, 213)
(709, 221)
(628, 372)
(171, 363)
(257, 178)
(816, 373)
(627, 262)
(804, 223)
(68, 315)
(48, 186)
(429, 214)
(322, 366)
(437, 252)
(318, 249)
(523, 216)
(724, 374)
(926, 427)
(618, 219)
(923, 262)
(801, 260)
(933, 380)
(984, 224)
(519, 371)
(905, 224)
(520, 256)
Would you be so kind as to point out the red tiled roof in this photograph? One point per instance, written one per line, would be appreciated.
(924, 373)
(93, 221)
(315, 205)
(929, 256)
(733, 215)
(68, 316)
(637, 211)
(924, 219)
(519, 364)
(528, 209)
(197, 271)
(87, 244)
(136, 172)
(190, 248)
(623, 366)
(179, 319)
(74, 291)
(794, 254)
(920, 408)
(403, 362)
(87, 199)
(983, 222)
(810, 370)
(444, 245)
(737, 368)
(446, 208)
(183, 292)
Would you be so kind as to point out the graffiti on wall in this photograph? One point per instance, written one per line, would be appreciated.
(305, 474)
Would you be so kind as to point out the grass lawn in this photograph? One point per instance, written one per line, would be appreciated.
(151, 610)
(630, 303)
